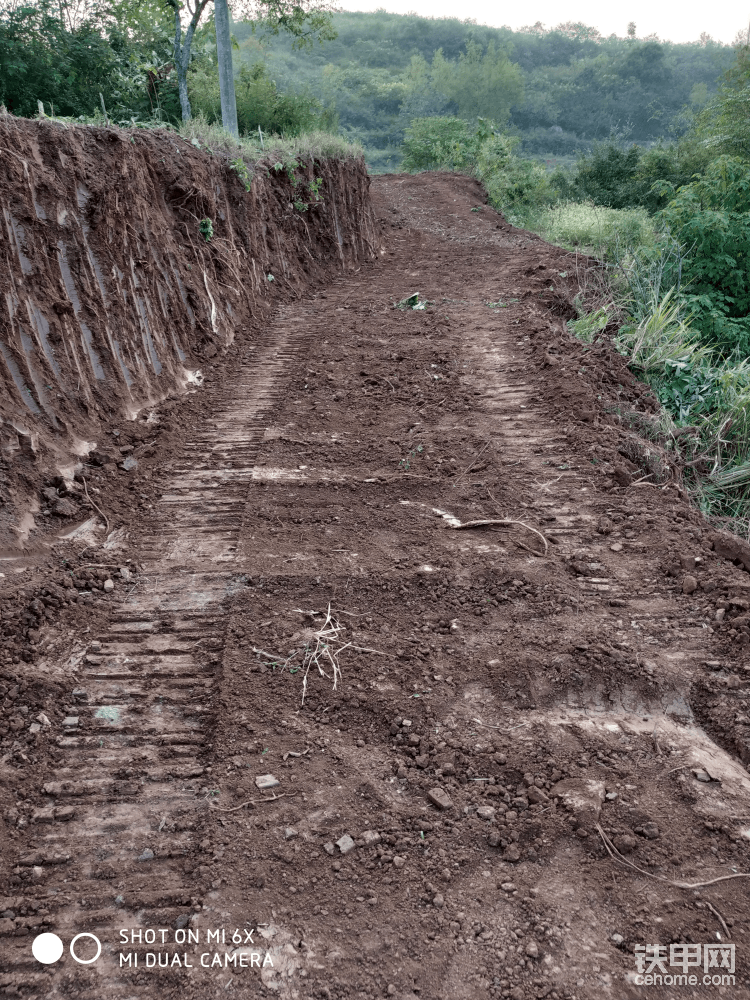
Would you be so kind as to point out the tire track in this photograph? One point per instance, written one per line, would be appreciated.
(135, 764)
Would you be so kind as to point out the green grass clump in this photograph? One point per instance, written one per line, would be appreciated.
(593, 229)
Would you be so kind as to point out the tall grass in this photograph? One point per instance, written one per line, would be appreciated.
(259, 148)
(602, 232)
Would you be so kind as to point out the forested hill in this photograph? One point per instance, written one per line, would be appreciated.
(560, 89)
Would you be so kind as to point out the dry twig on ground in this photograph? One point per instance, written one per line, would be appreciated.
(616, 856)
(97, 509)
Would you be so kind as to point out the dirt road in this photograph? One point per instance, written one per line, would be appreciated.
(535, 737)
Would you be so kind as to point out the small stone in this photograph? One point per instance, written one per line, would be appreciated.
(147, 855)
(486, 812)
(625, 844)
(130, 463)
(512, 853)
(109, 586)
(34, 727)
(719, 616)
(391, 989)
(329, 848)
(611, 796)
(494, 839)
(406, 723)
(125, 574)
(65, 508)
(532, 949)
(80, 695)
(403, 771)
(37, 871)
(580, 832)
(617, 938)
(399, 862)
(700, 775)
(689, 584)
(651, 831)
(70, 722)
(440, 798)
(345, 844)
(266, 781)
(508, 886)
(370, 838)
(439, 901)
(290, 833)
(511, 816)
(536, 796)
(616, 547)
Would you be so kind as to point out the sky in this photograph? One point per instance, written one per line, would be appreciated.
(720, 20)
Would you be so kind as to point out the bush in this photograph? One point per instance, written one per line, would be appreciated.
(439, 143)
(519, 189)
(607, 176)
(711, 216)
(259, 103)
(617, 178)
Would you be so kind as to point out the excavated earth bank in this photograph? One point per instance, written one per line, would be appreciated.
(517, 718)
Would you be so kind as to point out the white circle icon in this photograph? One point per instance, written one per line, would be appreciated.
(86, 961)
(47, 948)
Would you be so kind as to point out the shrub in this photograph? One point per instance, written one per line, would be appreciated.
(711, 216)
(439, 142)
(259, 103)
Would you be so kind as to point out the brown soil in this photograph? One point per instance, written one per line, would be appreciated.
(500, 709)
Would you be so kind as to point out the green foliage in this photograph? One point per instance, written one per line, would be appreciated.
(558, 89)
(48, 55)
(608, 232)
(259, 102)
(240, 168)
(481, 82)
(439, 143)
(711, 216)
(206, 229)
(607, 176)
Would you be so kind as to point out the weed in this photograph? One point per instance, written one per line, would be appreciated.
(405, 463)
(206, 229)
(240, 167)
(301, 206)
(315, 188)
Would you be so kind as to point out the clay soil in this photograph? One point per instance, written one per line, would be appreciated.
(498, 758)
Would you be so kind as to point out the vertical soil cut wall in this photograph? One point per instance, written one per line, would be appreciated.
(112, 297)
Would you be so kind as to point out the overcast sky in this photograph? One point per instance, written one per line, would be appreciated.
(681, 22)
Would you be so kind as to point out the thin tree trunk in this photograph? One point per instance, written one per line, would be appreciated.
(181, 59)
(226, 76)
(182, 52)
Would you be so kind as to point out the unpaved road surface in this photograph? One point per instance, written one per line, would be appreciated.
(520, 711)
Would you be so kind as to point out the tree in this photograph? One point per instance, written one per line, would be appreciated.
(305, 20)
(484, 83)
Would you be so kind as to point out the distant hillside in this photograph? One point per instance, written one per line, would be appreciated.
(558, 89)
